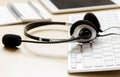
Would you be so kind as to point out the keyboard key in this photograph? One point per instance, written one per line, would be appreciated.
(87, 62)
(73, 55)
(73, 65)
(98, 62)
(115, 46)
(115, 42)
(97, 55)
(79, 58)
(115, 38)
(106, 49)
(96, 46)
(105, 40)
(117, 50)
(86, 52)
(117, 55)
(106, 44)
(96, 51)
(86, 45)
(108, 58)
(108, 53)
(73, 60)
(117, 60)
(109, 63)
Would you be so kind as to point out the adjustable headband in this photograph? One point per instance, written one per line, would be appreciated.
(33, 25)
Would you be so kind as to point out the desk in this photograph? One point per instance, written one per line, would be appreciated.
(22, 63)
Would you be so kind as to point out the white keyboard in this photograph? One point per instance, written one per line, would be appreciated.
(104, 52)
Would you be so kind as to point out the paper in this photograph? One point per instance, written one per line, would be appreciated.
(23, 12)
(6, 16)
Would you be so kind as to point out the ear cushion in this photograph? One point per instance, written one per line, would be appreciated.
(92, 18)
(81, 22)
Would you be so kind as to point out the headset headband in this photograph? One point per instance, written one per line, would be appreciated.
(33, 25)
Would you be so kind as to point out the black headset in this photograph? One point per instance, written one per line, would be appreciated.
(82, 31)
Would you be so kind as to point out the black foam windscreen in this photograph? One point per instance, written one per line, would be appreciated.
(11, 40)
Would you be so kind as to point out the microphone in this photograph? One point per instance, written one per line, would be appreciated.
(11, 40)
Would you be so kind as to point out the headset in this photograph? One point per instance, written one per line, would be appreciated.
(82, 31)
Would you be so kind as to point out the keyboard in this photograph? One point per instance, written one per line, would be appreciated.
(102, 54)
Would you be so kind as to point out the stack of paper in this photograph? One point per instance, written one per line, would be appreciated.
(23, 12)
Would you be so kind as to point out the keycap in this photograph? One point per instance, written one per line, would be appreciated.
(117, 50)
(114, 38)
(97, 55)
(87, 62)
(86, 45)
(79, 58)
(86, 52)
(106, 44)
(73, 60)
(116, 46)
(117, 60)
(107, 58)
(109, 63)
(96, 50)
(98, 62)
(96, 46)
(105, 49)
(105, 40)
(73, 55)
(73, 65)
(110, 53)
(117, 54)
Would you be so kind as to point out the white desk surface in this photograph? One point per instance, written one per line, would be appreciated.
(22, 62)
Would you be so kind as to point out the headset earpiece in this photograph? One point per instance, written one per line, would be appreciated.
(93, 19)
(88, 27)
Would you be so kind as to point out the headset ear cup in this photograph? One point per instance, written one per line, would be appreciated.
(81, 24)
(92, 18)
